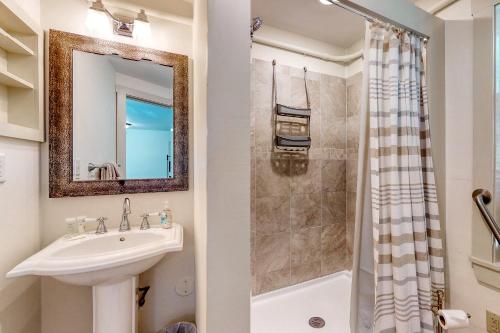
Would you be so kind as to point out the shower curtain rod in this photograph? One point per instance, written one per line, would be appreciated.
(307, 52)
(369, 18)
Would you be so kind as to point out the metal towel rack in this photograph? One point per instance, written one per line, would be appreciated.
(483, 197)
(292, 125)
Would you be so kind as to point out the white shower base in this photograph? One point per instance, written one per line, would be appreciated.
(289, 309)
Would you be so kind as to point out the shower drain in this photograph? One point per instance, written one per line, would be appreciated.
(317, 322)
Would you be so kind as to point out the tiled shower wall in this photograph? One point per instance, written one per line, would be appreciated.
(303, 206)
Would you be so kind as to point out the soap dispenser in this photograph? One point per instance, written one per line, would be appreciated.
(166, 217)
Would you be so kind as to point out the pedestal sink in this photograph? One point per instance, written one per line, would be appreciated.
(110, 264)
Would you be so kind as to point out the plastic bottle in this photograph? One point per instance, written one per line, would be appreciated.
(166, 217)
(70, 227)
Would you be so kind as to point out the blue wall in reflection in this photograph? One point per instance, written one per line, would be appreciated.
(149, 140)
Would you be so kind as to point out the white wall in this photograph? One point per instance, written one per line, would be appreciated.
(200, 92)
(20, 225)
(32, 7)
(94, 113)
(355, 66)
(465, 291)
(19, 236)
(459, 10)
(67, 308)
(222, 175)
(131, 84)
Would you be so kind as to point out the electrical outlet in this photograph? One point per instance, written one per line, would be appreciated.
(185, 286)
(76, 169)
(492, 322)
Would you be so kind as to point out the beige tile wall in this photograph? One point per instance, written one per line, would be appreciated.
(301, 224)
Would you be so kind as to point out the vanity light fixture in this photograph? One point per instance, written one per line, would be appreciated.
(101, 22)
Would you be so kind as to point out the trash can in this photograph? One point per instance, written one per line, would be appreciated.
(183, 327)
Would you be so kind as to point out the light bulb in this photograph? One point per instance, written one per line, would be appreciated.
(142, 30)
(98, 23)
(142, 27)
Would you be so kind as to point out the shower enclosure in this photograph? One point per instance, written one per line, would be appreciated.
(303, 204)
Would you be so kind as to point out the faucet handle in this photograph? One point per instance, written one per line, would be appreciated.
(145, 223)
(101, 227)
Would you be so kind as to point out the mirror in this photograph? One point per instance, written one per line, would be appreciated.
(118, 118)
(123, 120)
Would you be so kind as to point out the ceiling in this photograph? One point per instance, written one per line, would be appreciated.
(329, 24)
(162, 76)
(183, 8)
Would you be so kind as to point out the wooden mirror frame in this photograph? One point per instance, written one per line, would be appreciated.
(61, 183)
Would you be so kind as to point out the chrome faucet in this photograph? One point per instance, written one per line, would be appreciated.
(125, 224)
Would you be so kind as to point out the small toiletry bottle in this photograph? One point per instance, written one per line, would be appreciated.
(80, 224)
(165, 217)
(70, 227)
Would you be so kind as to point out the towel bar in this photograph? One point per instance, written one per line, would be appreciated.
(91, 167)
(483, 197)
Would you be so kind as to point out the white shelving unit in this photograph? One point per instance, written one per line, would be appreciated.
(21, 74)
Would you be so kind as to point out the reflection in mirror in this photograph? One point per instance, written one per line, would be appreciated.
(148, 125)
(123, 118)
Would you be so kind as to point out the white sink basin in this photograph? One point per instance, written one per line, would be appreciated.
(102, 259)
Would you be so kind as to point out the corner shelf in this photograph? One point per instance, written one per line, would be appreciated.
(21, 74)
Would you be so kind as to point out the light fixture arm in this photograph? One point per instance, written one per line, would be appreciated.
(114, 17)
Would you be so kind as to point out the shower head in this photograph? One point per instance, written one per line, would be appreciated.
(256, 24)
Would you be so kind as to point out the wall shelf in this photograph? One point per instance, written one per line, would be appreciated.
(19, 132)
(13, 18)
(21, 74)
(13, 81)
(11, 44)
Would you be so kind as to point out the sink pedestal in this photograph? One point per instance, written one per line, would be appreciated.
(115, 309)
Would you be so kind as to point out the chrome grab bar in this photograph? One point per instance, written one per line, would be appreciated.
(482, 198)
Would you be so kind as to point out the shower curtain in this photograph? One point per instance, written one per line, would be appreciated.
(408, 265)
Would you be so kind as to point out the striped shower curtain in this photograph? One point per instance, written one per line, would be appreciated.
(408, 252)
